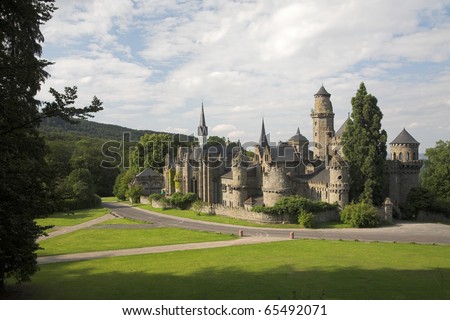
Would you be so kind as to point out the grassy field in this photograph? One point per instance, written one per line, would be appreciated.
(89, 240)
(300, 269)
(64, 219)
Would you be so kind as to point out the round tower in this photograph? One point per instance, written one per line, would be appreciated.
(404, 147)
(338, 187)
(276, 184)
(239, 186)
(323, 122)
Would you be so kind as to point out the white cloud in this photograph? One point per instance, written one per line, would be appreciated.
(221, 128)
(154, 62)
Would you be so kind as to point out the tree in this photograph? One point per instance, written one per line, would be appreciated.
(364, 146)
(25, 181)
(151, 150)
(436, 174)
(121, 185)
(216, 140)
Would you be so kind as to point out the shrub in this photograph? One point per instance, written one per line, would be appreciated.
(293, 204)
(155, 196)
(360, 215)
(306, 218)
(182, 201)
(198, 205)
(91, 201)
(423, 199)
(134, 193)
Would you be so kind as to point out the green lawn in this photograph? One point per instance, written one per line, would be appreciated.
(299, 269)
(89, 240)
(64, 219)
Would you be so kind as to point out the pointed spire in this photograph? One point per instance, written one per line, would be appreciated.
(202, 118)
(298, 131)
(263, 138)
(202, 128)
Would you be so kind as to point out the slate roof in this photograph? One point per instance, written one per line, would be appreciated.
(227, 175)
(323, 176)
(322, 92)
(284, 153)
(149, 172)
(202, 128)
(263, 137)
(404, 138)
(341, 130)
(298, 137)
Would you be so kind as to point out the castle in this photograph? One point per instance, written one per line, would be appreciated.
(224, 175)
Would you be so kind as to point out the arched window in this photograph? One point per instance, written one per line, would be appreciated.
(394, 156)
(407, 156)
(400, 156)
(414, 156)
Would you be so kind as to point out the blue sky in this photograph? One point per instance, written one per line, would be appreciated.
(152, 63)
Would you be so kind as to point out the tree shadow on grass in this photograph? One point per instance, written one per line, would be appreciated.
(68, 281)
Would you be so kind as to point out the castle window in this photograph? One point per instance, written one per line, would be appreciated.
(340, 197)
(394, 156)
(407, 156)
(340, 177)
(414, 156)
(400, 156)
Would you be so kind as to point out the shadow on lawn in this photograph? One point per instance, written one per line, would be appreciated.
(286, 282)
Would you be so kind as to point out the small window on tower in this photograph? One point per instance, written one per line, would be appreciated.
(340, 177)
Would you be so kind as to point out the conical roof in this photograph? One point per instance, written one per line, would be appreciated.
(322, 92)
(404, 138)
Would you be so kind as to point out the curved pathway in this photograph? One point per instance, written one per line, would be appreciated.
(401, 232)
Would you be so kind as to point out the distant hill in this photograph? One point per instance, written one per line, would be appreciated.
(91, 129)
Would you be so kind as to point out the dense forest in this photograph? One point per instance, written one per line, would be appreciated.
(76, 155)
(89, 128)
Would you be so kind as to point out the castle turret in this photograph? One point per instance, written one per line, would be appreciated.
(404, 147)
(338, 187)
(239, 186)
(323, 123)
(404, 167)
(202, 129)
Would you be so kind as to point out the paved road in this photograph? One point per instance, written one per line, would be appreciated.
(401, 232)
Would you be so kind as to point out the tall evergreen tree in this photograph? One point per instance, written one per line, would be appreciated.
(25, 183)
(364, 146)
(436, 173)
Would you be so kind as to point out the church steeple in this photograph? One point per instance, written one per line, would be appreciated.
(263, 138)
(202, 129)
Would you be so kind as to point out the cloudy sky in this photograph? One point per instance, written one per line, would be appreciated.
(152, 63)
